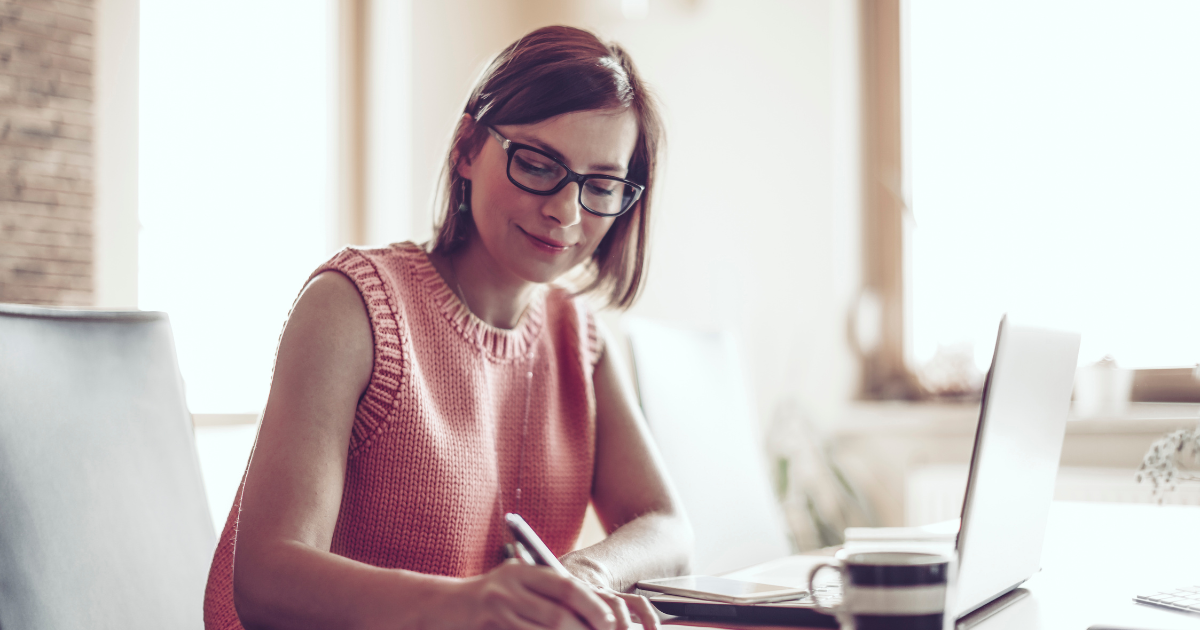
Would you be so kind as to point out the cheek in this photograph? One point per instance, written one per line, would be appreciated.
(595, 229)
(493, 201)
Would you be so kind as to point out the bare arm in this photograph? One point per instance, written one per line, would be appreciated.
(649, 534)
(284, 574)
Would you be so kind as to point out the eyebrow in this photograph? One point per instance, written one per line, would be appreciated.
(610, 168)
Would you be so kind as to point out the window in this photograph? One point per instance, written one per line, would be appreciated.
(233, 182)
(1043, 166)
(1053, 165)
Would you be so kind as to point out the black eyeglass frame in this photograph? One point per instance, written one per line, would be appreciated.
(511, 149)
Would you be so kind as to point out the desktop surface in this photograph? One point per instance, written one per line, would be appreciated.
(1097, 557)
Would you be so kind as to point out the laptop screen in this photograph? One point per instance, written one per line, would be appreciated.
(1018, 441)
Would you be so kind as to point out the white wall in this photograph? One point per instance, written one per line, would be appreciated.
(756, 220)
(452, 40)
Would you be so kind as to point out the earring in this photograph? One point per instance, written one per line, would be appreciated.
(462, 204)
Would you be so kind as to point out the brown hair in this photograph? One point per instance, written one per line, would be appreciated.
(551, 71)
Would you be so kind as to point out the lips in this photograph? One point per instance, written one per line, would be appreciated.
(545, 243)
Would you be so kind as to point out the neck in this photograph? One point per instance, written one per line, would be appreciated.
(493, 295)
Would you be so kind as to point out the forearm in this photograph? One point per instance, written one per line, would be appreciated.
(293, 585)
(655, 544)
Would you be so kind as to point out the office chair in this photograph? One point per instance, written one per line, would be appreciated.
(694, 396)
(103, 520)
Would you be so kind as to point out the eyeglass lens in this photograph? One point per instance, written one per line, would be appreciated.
(538, 172)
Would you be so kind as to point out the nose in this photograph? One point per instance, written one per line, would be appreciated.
(563, 207)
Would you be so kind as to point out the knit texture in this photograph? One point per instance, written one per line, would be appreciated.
(436, 446)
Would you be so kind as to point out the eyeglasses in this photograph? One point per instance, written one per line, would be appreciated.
(537, 172)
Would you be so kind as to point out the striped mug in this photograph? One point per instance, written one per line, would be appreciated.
(897, 590)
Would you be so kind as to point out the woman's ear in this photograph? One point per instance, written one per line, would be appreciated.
(462, 139)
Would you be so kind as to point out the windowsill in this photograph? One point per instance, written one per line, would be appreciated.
(880, 444)
(934, 418)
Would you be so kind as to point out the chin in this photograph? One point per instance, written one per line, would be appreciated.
(543, 272)
(540, 274)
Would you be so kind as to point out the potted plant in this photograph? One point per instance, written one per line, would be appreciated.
(1165, 463)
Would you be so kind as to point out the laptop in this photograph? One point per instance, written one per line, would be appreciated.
(1018, 440)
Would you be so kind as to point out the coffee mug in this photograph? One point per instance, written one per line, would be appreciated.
(888, 589)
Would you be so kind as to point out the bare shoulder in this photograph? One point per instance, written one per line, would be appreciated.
(334, 300)
(294, 482)
(332, 292)
(328, 336)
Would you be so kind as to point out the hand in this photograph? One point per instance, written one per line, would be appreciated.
(598, 576)
(514, 596)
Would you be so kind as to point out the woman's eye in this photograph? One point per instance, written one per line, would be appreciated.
(603, 188)
(531, 167)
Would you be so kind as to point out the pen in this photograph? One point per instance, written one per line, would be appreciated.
(528, 539)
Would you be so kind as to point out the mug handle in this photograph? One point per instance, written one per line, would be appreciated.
(812, 591)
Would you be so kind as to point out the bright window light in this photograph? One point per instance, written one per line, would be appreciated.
(233, 163)
(1055, 155)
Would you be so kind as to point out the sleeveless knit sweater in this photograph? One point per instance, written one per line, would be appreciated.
(437, 445)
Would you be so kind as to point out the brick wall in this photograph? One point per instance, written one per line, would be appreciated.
(46, 151)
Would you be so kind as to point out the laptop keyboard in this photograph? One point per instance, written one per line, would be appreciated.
(1185, 599)
(828, 587)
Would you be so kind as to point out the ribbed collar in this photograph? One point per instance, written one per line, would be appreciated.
(499, 343)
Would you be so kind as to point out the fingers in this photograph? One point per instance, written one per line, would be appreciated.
(544, 612)
(562, 602)
(617, 605)
(624, 605)
(516, 622)
(641, 607)
(507, 601)
(563, 621)
(549, 601)
(576, 596)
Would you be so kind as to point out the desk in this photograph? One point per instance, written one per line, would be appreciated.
(1097, 556)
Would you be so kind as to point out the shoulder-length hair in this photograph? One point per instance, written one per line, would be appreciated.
(552, 71)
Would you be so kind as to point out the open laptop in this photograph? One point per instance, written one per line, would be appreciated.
(1022, 421)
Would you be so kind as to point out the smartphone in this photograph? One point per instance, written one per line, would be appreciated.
(722, 589)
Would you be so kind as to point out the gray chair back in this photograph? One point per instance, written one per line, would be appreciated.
(693, 392)
(103, 518)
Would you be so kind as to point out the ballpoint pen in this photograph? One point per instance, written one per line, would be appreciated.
(530, 548)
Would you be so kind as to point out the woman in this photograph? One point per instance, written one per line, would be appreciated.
(420, 393)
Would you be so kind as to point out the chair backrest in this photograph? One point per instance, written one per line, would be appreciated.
(103, 519)
(694, 396)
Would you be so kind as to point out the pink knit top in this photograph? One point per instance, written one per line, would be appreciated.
(436, 445)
